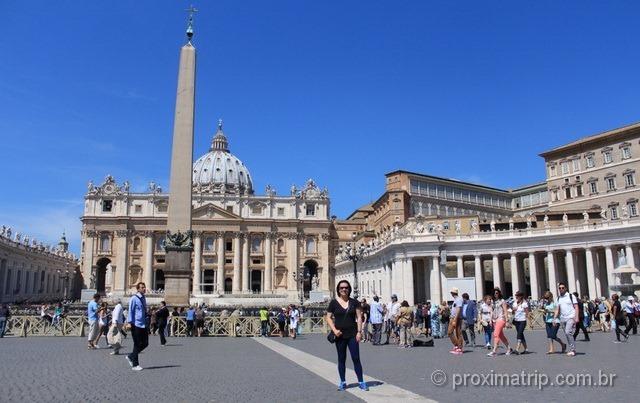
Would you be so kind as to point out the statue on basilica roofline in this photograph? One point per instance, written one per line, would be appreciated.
(492, 226)
(457, 227)
(545, 221)
(565, 219)
(3, 230)
(585, 217)
(8, 233)
(511, 224)
(270, 191)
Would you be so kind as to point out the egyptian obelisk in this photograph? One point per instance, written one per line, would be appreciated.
(178, 243)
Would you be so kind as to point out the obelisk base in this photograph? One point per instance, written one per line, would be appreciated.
(176, 277)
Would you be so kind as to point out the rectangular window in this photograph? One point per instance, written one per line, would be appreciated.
(552, 170)
(107, 206)
(208, 244)
(578, 190)
(226, 261)
(229, 209)
(607, 157)
(626, 152)
(311, 209)
(593, 187)
(7, 289)
(228, 246)
(613, 210)
(633, 209)
(565, 168)
(280, 211)
(567, 193)
(611, 184)
(162, 208)
(138, 208)
(576, 165)
(629, 180)
(590, 161)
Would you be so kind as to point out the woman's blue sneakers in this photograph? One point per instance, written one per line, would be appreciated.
(342, 386)
(363, 386)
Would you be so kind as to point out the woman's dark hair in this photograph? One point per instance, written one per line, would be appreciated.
(338, 286)
(404, 303)
(519, 294)
(497, 290)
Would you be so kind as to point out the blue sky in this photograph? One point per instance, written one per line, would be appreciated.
(339, 91)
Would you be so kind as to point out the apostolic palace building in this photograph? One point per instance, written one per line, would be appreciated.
(581, 226)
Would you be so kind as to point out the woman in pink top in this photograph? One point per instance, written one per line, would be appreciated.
(499, 320)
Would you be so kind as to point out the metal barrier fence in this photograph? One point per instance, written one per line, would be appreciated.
(232, 326)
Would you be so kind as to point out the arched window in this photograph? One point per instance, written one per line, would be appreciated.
(310, 245)
(256, 244)
(105, 243)
(280, 247)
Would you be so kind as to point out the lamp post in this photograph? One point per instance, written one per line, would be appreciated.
(299, 276)
(354, 254)
(65, 275)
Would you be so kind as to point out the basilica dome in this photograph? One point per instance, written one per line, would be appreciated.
(219, 171)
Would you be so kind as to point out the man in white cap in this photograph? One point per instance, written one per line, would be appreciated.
(630, 311)
(114, 336)
(455, 322)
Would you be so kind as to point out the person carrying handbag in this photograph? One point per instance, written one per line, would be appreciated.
(344, 317)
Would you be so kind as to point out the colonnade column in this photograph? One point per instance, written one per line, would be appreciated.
(553, 272)
(460, 266)
(267, 263)
(498, 280)
(436, 284)
(609, 261)
(631, 262)
(237, 238)
(533, 276)
(245, 263)
(221, 262)
(389, 278)
(148, 259)
(479, 275)
(591, 273)
(407, 277)
(197, 264)
(87, 262)
(515, 279)
(571, 271)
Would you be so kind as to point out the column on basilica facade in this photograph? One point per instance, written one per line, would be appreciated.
(237, 238)
(460, 266)
(436, 284)
(533, 276)
(268, 275)
(122, 257)
(610, 266)
(571, 272)
(292, 249)
(552, 270)
(148, 259)
(479, 275)
(220, 263)
(87, 263)
(515, 273)
(591, 273)
(388, 279)
(245, 263)
(197, 263)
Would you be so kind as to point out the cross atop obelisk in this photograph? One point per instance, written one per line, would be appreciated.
(192, 10)
(178, 244)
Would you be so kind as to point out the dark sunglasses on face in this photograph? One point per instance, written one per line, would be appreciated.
(344, 288)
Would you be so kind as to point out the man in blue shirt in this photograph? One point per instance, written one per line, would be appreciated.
(376, 314)
(469, 315)
(137, 320)
(191, 317)
(92, 317)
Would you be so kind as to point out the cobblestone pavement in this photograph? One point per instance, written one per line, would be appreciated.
(239, 369)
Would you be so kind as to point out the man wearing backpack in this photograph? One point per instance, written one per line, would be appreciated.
(566, 309)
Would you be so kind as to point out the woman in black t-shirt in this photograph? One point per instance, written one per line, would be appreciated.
(618, 315)
(344, 317)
